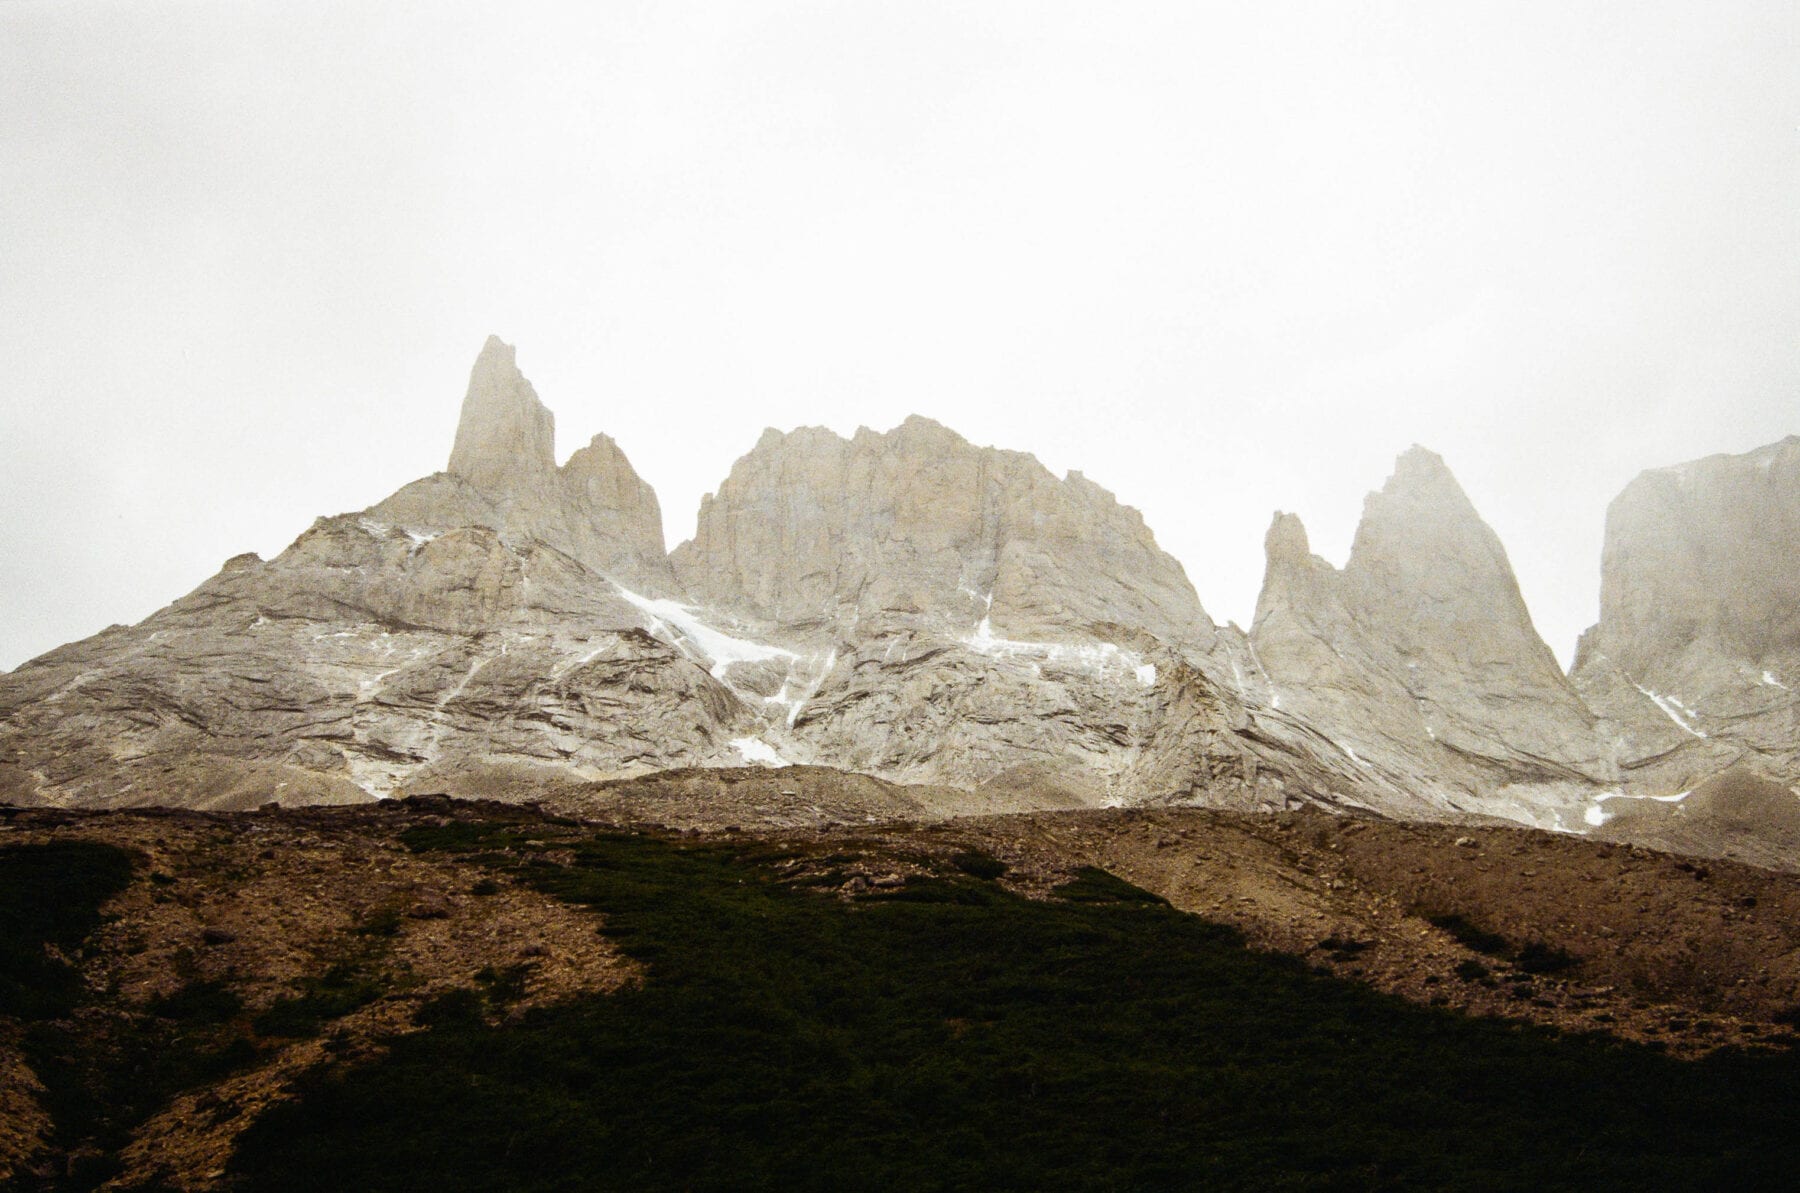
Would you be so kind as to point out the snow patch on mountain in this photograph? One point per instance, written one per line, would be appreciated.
(1092, 658)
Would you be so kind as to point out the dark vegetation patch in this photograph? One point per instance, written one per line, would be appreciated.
(1471, 970)
(344, 987)
(1345, 949)
(1538, 957)
(1094, 885)
(1470, 936)
(978, 864)
(198, 1002)
(1533, 957)
(975, 1039)
(50, 897)
(104, 1073)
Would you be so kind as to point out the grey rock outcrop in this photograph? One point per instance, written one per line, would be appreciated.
(1695, 661)
(904, 604)
(814, 528)
(959, 615)
(956, 618)
(497, 610)
(505, 437)
(503, 476)
(1420, 659)
(1740, 813)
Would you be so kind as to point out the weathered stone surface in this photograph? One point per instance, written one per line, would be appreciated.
(1740, 813)
(961, 616)
(1695, 660)
(505, 438)
(941, 615)
(358, 656)
(1420, 659)
(485, 612)
(811, 527)
(503, 476)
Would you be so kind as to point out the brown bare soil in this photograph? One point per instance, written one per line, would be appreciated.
(1638, 944)
(1553, 929)
(259, 904)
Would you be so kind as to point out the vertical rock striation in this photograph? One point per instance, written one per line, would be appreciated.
(503, 476)
(1420, 658)
(811, 527)
(1695, 661)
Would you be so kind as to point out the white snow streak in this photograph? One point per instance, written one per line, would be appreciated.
(1597, 815)
(794, 696)
(1274, 696)
(1672, 708)
(1092, 657)
(757, 752)
(694, 636)
(683, 626)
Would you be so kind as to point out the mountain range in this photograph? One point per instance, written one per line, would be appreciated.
(958, 620)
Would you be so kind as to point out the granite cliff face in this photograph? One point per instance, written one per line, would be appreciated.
(503, 476)
(814, 528)
(1420, 658)
(903, 604)
(1696, 656)
(499, 609)
(966, 617)
(920, 609)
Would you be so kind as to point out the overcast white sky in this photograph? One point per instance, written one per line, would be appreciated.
(1223, 258)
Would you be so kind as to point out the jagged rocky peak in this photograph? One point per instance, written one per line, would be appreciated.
(614, 513)
(1286, 539)
(813, 527)
(505, 438)
(1705, 552)
(503, 477)
(1695, 660)
(1290, 567)
(1421, 541)
(1420, 653)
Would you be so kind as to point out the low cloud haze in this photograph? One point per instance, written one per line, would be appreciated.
(1222, 259)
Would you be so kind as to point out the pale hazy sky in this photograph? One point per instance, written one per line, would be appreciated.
(1224, 259)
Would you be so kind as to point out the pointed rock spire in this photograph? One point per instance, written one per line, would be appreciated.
(503, 475)
(1424, 555)
(612, 515)
(1293, 577)
(1421, 641)
(505, 438)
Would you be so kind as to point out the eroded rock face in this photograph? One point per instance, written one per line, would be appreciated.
(961, 616)
(811, 527)
(503, 476)
(1740, 813)
(491, 611)
(1695, 660)
(903, 604)
(911, 606)
(1420, 658)
(357, 657)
